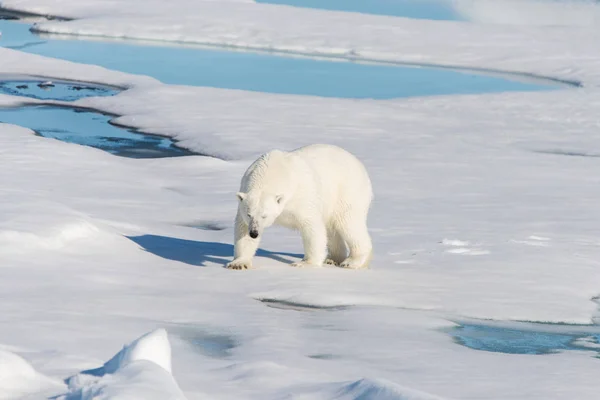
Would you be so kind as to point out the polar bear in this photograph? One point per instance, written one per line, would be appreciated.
(321, 190)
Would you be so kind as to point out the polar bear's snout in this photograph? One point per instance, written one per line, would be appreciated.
(254, 228)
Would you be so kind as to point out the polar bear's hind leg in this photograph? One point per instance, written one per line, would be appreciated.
(356, 236)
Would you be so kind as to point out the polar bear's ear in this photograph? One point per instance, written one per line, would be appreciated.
(279, 198)
(241, 196)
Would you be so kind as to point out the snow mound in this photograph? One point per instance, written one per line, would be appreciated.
(365, 389)
(41, 225)
(153, 346)
(141, 370)
(54, 238)
(139, 380)
(380, 389)
(19, 378)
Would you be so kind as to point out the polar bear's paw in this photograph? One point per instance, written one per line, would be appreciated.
(239, 264)
(300, 264)
(304, 264)
(329, 261)
(355, 263)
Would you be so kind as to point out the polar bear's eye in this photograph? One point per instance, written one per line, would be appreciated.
(264, 216)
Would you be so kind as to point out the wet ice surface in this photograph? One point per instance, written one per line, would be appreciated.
(84, 127)
(420, 9)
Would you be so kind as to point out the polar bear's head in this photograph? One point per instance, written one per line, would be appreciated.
(259, 211)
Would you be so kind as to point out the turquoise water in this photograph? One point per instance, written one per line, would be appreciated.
(517, 341)
(419, 9)
(260, 72)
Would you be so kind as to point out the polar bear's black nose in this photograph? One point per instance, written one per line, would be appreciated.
(253, 234)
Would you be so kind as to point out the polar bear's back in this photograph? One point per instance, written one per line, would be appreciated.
(342, 177)
(316, 174)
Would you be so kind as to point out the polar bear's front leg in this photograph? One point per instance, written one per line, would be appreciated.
(314, 237)
(244, 247)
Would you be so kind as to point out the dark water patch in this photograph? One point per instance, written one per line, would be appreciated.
(205, 225)
(534, 339)
(89, 128)
(569, 153)
(77, 125)
(323, 356)
(8, 14)
(54, 89)
(295, 306)
(25, 45)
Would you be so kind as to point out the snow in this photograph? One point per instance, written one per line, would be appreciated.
(485, 208)
(364, 389)
(580, 13)
(139, 380)
(153, 346)
(18, 378)
(141, 370)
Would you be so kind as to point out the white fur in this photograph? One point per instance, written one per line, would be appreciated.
(321, 190)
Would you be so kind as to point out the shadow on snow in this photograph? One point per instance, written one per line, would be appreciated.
(198, 253)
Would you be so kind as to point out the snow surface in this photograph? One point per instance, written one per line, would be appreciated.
(485, 207)
(18, 378)
(531, 12)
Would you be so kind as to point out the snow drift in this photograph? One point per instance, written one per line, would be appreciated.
(18, 378)
(141, 370)
(364, 389)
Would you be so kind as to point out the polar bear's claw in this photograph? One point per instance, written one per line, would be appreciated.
(238, 265)
(349, 265)
(300, 264)
(356, 263)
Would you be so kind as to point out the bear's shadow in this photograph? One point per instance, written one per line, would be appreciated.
(198, 253)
